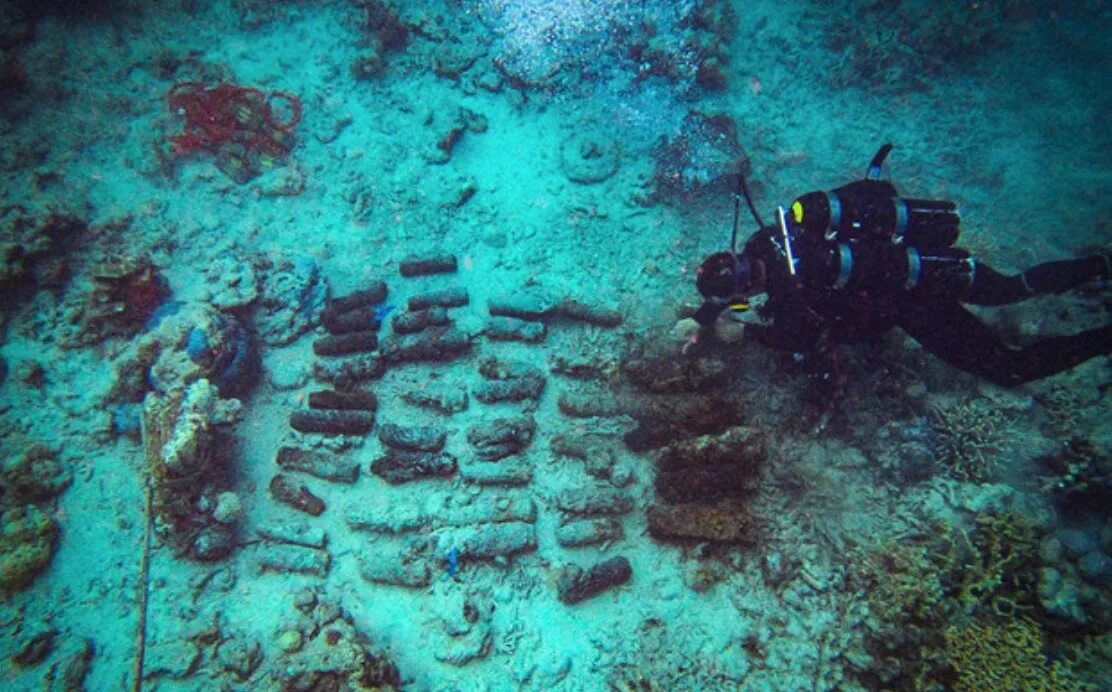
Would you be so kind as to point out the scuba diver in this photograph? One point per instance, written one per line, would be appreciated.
(850, 264)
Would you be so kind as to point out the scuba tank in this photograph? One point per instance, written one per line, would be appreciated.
(871, 209)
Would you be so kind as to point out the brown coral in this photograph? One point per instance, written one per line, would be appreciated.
(27, 542)
(126, 293)
(1002, 656)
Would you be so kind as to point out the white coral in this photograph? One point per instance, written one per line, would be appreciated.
(186, 448)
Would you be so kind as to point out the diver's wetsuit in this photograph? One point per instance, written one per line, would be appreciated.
(887, 285)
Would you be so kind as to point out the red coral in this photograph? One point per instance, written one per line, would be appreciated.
(237, 124)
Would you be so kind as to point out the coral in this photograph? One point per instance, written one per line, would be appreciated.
(293, 296)
(232, 281)
(385, 33)
(970, 436)
(899, 46)
(27, 542)
(916, 589)
(221, 346)
(244, 129)
(556, 45)
(32, 253)
(29, 472)
(326, 651)
(186, 448)
(994, 564)
(194, 342)
(990, 657)
(901, 580)
(127, 291)
(702, 157)
(902, 584)
(1080, 477)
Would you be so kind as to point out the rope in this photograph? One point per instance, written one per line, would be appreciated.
(144, 594)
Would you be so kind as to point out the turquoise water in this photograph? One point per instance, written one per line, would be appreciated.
(348, 344)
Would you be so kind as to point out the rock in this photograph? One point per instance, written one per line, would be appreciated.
(575, 584)
(1096, 568)
(213, 542)
(1076, 542)
(72, 667)
(35, 649)
(1061, 597)
(27, 544)
(228, 509)
(171, 657)
(448, 129)
(293, 297)
(587, 158)
(333, 655)
(465, 623)
(239, 655)
(30, 472)
(127, 292)
(704, 156)
(1050, 550)
(232, 282)
(290, 641)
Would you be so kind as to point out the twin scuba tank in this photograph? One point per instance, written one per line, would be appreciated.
(870, 211)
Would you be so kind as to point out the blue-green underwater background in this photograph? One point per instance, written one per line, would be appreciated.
(347, 345)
